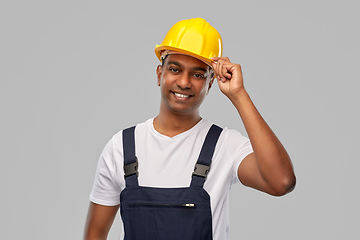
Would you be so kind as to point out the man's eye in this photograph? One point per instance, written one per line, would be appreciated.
(174, 70)
(197, 75)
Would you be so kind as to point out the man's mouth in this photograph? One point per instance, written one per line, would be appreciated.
(180, 95)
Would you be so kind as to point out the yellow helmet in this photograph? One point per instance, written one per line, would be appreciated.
(194, 37)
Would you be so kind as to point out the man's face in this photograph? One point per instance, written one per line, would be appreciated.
(184, 82)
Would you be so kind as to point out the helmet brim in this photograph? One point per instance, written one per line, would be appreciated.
(160, 48)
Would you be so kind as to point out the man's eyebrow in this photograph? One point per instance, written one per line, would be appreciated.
(200, 69)
(196, 68)
(175, 63)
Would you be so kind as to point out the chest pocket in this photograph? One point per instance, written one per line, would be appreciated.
(167, 213)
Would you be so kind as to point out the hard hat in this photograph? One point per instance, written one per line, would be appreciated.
(194, 37)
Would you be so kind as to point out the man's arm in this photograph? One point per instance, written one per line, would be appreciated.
(99, 221)
(269, 168)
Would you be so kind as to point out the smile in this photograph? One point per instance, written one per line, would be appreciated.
(179, 95)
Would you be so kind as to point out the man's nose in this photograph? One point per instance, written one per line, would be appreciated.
(184, 81)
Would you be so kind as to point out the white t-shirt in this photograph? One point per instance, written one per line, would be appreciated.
(169, 162)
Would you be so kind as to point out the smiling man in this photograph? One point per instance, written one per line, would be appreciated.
(184, 82)
(170, 176)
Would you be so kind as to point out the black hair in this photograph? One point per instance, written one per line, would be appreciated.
(163, 60)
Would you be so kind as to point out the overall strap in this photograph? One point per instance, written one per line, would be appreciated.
(130, 160)
(202, 166)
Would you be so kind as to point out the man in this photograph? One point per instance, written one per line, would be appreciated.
(168, 146)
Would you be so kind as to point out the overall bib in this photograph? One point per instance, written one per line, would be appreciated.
(167, 213)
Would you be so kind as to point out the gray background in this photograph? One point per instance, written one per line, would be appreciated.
(73, 73)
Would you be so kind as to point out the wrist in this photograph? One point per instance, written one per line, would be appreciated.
(240, 97)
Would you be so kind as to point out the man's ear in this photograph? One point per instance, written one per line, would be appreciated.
(210, 83)
(158, 74)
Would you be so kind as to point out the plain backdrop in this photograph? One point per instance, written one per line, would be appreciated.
(73, 73)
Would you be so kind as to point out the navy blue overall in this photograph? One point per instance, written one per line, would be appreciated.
(167, 213)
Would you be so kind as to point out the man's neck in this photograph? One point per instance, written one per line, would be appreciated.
(172, 125)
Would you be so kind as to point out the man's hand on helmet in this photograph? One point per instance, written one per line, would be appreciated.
(229, 77)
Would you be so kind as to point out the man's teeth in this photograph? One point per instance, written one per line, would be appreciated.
(181, 95)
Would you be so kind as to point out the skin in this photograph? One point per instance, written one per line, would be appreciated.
(268, 169)
(99, 221)
(184, 75)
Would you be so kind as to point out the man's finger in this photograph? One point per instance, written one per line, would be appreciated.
(226, 59)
